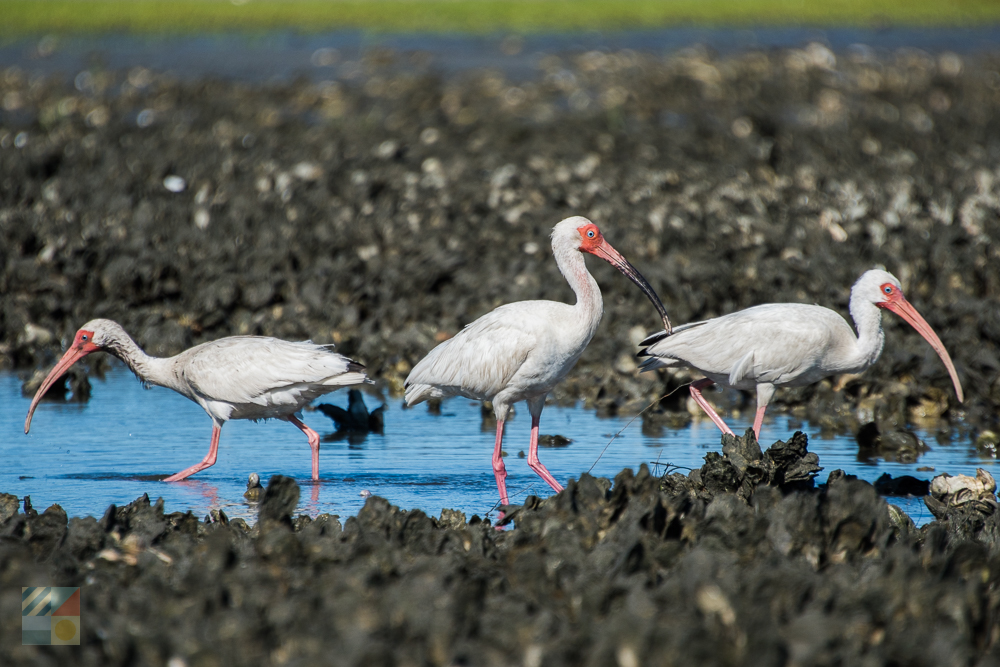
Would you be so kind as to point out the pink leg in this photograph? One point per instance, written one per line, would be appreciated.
(313, 443)
(696, 388)
(208, 461)
(499, 470)
(533, 461)
(758, 420)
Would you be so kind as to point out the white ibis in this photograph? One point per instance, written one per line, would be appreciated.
(239, 377)
(520, 351)
(787, 344)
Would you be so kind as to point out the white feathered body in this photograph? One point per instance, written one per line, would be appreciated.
(239, 377)
(784, 344)
(518, 351)
(257, 377)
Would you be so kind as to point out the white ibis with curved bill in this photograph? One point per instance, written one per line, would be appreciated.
(239, 377)
(521, 350)
(788, 344)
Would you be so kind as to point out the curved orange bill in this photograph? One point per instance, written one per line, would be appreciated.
(613, 257)
(72, 355)
(904, 309)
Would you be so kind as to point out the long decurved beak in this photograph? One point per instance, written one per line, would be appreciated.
(72, 355)
(904, 309)
(613, 257)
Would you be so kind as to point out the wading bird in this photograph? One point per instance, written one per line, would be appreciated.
(520, 351)
(787, 344)
(239, 377)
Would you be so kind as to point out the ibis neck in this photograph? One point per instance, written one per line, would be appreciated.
(149, 369)
(868, 320)
(589, 304)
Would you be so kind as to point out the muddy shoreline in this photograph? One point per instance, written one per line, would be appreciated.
(384, 211)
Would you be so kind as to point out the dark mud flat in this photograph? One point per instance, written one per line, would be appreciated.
(384, 209)
(742, 562)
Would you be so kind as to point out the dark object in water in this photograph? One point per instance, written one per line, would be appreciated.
(553, 441)
(890, 444)
(904, 485)
(255, 490)
(356, 418)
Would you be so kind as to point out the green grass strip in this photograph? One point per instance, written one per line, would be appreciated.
(35, 17)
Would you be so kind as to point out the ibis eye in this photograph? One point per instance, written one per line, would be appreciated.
(83, 337)
(887, 289)
(590, 234)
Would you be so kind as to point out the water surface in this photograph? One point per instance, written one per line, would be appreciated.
(122, 442)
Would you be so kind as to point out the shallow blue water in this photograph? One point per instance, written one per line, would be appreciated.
(87, 456)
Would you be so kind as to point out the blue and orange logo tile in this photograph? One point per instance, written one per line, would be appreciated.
(50, 615)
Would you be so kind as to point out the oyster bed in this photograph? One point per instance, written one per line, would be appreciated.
(742, 562)
(384, 210)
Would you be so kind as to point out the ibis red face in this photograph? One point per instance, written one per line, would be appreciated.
(83, 344)
(593, 242)
(894, 300)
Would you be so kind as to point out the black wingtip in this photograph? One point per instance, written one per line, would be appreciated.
(649, 365)
(654, 338)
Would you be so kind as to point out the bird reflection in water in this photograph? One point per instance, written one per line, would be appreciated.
(356, 422)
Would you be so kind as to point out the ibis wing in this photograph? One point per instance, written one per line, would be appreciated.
(242, 369)
(478, 362)
(744, 368)
(771, 343)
